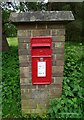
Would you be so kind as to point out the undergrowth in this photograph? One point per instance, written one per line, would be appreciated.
(11, 81)
(69, 105)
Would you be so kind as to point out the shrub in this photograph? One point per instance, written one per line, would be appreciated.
(10, 83)
(70, 103)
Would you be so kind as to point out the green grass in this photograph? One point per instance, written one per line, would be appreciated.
(11, 79)
(12, 41)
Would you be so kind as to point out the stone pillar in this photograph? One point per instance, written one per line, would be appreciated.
(35, 98)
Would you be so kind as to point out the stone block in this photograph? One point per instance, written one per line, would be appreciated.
(59, 45)
(25, 59)
(24, 104)
(22, 58)
(25, 64)
(27, 92)
(56, 69)
(32, 104)
(58, 80)
(58, 51)
(41, 86)
(58, 32)
(24, 33)
(24, 52)
(59, 57)
(41, 106)
(24, 95)
(24, 45)
(27, 87)
(59, 86)
(59, 62)
(24, 39)
(41, 32)
(41, 26)
(25, 81)
(22, 91)
(40, 94)
(57, 74)
(58, 38)
(55, 26)
(24, 72)
(28, 26)
(55, 92)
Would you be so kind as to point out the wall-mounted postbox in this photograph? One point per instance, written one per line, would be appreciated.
(41, 53)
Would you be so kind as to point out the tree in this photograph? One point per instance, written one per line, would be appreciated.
(5, 45)
(4, 42)
(7, 7)
(73, 29)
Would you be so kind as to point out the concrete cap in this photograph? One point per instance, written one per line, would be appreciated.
(41, 16)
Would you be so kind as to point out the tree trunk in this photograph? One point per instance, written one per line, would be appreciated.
(0, 30)
(5, 45)
(3, 41)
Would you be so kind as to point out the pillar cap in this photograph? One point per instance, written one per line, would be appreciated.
(41, 16)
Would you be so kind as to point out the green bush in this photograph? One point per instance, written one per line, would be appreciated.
(10, 83)
(69, 105)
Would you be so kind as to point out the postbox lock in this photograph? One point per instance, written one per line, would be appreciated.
(41, 59)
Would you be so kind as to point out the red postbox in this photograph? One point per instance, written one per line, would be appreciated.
(41, 53)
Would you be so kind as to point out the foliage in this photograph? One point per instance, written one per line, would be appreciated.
(70, 104)
(8, 28)
(8, 7)
(11, 82)
(35, 117)
(32, 6)
(74, 30)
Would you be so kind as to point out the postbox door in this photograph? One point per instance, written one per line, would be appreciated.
(41, 70)
(41, 54)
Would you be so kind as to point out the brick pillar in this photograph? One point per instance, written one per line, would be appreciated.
(35, 98)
